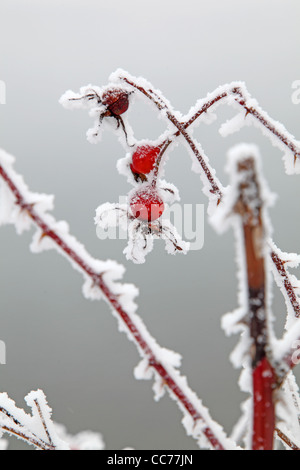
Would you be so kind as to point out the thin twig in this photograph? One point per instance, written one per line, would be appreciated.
(241, 97)
(43, 421)
(286, 439)
(38, 443)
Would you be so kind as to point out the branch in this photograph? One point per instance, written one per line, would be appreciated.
(286, 440)
(244, 208)
(101, 277)
(16, 422)
(234, 93)
(284, 280)
(249, 207)
(38, 429)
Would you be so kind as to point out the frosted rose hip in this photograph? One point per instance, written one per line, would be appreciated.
(147, 205)
(144, 158)
(116, 101)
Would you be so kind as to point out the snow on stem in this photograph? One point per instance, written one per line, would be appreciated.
(286, 440)
(249, 207)
(197, 419)
(36, 429)
(236, 95)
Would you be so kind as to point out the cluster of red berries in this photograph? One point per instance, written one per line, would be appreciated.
(146, 204)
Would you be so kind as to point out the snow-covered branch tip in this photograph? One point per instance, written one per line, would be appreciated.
(38, 429)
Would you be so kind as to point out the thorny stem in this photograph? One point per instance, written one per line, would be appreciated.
(204, 108)
(16, 430)
(170, 382)
(38, 443)
(279, 265)
(249, 207)
(283, 437)
(215, 187)
(261, 366)
(240, 98)
(43, 422)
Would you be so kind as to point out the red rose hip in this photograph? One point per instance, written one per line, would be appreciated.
(144, 158)
(147, 205)
(116, 101)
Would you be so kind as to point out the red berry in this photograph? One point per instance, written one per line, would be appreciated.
(144, 158)
(116, 101)
(147, 205)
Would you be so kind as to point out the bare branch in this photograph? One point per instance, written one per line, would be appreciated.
(175, 384)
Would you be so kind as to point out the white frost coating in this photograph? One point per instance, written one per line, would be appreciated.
(111, 215)
(163, 358)
(89, 98)
(41, 204)
(41, 415)
(140, 243)
(196, 168)
(232, 125)
(38, 427)
(224, 217)
(169, 192)
(117, 78)
(35, 427)
(288, 409)
(241, 431)
(10, 213)
(291, 166)
(290, 260)
(84, 440)
(173, 240)
(141, 234)
(112, 271)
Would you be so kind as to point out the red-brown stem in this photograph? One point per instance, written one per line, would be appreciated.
(165, 144)
(286, 440)
(112, 299)
(182, 126)
(215, 189)
(279, 264)
(38, 443)
(249, 207)
(263, 406)
(240, 98)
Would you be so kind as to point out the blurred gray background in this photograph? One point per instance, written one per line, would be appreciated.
(58, 341)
